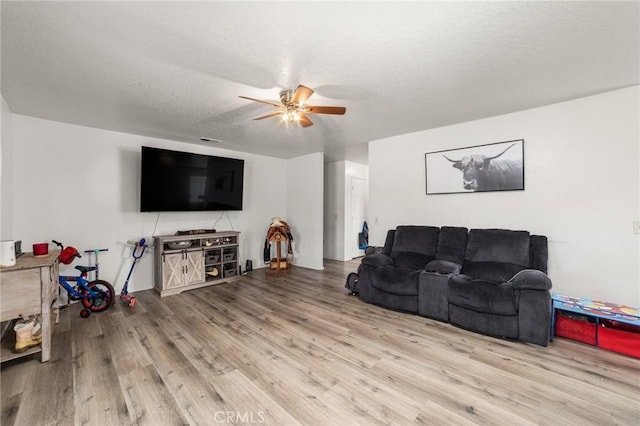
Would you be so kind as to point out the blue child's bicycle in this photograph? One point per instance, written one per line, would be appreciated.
(96, 295)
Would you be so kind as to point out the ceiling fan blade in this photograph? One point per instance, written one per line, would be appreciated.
(273, 114)
(325, 110)
(304, 120)
(261, 101)
(301, 94)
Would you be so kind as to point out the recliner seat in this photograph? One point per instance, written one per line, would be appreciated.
(392, 275)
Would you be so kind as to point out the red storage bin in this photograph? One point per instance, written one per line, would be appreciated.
(619, 337)
(576, 328)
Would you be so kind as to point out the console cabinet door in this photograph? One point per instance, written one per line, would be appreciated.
(194, 267)
(172, 270)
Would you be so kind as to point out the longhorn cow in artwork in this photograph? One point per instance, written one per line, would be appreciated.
(482, 173)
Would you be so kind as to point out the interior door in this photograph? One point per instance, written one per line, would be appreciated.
(359, 197)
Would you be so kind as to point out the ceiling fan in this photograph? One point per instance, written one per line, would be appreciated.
(292, 107)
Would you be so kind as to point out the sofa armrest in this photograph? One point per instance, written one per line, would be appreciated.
(531, 279)
(377, 259)
(443, 267)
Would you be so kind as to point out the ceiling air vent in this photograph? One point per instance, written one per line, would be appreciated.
(210, 140)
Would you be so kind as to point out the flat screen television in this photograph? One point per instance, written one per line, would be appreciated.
(174, 181)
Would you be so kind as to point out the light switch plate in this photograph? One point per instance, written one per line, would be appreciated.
(636, 227)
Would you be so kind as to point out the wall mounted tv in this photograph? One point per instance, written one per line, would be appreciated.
(173, 181)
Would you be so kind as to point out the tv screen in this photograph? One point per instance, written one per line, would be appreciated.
(173, 181)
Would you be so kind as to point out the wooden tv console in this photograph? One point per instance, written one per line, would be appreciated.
(186, 262)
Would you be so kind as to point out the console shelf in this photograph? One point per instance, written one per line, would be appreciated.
(186, 262)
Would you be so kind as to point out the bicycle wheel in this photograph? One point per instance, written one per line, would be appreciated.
(105, 298)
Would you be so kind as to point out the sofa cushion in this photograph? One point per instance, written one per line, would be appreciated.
(491, 271)
(498, 245)
(409, 259)
(482, 296)
(395, 280)
(452, 244)
(377, 259)
(414, 246)
(443, 267)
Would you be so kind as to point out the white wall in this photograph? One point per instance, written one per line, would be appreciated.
(81, 185)
(582, 188)
(334, 210)
(6, 172)
(304, 206)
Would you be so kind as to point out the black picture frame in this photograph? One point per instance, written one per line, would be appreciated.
(481, 168)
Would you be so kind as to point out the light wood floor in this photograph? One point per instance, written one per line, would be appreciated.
(296, 349)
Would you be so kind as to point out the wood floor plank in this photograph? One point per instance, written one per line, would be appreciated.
(433, 413)
(289, 383)
(294, 348)
(195, 395)
(123, 344)
(478, 376)
(286, 380)
(10, 409)
(442, 389)
(150, 402)
(160, 347)
(98, 398)
(197, 339)
(52, 390)
(17, 375)
(249, 402)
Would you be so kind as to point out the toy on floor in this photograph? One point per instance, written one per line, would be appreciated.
(138, 251)
(96, 295)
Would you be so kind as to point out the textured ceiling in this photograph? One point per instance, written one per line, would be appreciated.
(174, 70)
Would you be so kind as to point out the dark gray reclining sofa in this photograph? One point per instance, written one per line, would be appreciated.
(492, 281)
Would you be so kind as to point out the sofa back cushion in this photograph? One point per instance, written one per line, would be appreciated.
(414, 246)
(496, 254)
(388, 242)
(498, 245)
(538, 253)
(452, 244)
(491, 271)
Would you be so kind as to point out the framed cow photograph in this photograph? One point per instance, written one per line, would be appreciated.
(482, 168)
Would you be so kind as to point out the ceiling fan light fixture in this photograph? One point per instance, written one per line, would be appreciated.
(293, 108)
(286, 96)
(291, 113)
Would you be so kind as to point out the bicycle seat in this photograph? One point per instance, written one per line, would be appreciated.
(85, 269)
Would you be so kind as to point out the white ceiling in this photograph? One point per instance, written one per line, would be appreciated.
(174, 70)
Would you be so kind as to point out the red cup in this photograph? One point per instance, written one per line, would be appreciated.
(41, 249)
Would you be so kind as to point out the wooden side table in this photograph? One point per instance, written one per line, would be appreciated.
(28, 288)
